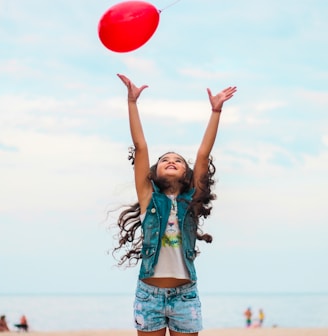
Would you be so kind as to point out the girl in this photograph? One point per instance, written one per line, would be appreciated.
(171, 199)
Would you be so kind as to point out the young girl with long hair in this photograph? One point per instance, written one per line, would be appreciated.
(161, 229)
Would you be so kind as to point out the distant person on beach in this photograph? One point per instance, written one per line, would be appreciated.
(3, 323)
(261, 317)
(248, 316)
(22, 325)
(162, 227)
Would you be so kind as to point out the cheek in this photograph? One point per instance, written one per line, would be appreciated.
(159, 170)
(183, 171)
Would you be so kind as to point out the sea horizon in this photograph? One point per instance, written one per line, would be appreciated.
(86, 293)
(58, 311)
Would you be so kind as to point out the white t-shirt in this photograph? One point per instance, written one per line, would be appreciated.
(170, 260)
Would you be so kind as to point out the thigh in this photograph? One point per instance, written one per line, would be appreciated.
(175, 333)
(152, 333)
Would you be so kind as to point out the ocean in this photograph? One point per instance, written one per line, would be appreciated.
(114, 311)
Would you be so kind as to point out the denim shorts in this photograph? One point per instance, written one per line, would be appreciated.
(177, 308)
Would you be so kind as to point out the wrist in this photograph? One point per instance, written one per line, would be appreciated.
(217, 110)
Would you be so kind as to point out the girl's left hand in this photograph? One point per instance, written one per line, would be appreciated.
(218, 100)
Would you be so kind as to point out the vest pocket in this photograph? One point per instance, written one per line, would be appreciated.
(191, 254)
(147, 252)
(147, 257)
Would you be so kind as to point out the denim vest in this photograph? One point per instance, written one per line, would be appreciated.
(153, 228)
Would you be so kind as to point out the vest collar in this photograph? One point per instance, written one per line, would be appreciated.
(186, 195)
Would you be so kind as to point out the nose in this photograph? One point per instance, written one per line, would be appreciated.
(171, 163)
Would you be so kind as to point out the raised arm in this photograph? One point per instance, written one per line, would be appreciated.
(205, 148)
(141, 162)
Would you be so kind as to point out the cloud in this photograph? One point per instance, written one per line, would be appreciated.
(141, 65)
(17, 68)
(64, 129)
(48, 171)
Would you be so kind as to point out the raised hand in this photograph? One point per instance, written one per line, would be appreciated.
(133, 91)
(218, 100)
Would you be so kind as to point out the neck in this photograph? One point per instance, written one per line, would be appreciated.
(172, 190)
(169, 186)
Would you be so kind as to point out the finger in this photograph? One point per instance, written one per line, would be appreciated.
(227, 89)
(209, 92)
(124, 79)
(143, 87)
(229, 96)
(232, 89)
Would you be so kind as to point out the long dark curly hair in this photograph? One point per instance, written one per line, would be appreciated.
(129, 223)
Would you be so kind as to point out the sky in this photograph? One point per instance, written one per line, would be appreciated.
(64, 139)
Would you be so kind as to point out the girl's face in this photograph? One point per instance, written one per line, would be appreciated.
(171, 165)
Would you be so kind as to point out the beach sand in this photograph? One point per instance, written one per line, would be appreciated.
(212, 332)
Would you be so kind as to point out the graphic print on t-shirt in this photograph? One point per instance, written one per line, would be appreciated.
(172, 236)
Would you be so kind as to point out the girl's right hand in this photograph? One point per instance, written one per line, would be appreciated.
(133, 91)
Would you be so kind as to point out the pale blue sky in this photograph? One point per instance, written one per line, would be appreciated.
(64, 137)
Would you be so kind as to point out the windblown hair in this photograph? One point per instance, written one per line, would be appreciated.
(129, 223)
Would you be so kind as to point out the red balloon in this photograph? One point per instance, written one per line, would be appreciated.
(128, 25)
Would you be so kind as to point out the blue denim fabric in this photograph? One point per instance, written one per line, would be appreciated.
(177, 308)
(153, 228)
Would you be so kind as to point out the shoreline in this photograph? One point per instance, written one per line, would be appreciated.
(265, 331)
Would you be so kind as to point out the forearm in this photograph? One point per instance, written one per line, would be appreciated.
(136, 130)
(213, 124)
(209, 137)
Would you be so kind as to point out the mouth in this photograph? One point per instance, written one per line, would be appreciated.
(171, 167)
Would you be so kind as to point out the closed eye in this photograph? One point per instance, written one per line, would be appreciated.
(175, 159)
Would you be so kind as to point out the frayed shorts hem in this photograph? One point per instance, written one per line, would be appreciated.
(173, 329)
(179, 331)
